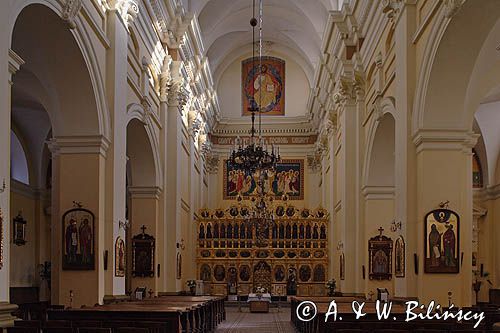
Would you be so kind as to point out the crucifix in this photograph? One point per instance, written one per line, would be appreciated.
(381, 230)
(143, 228)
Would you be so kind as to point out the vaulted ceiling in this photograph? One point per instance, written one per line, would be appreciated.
(291, 27)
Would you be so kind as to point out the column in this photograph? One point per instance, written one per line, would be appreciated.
(347, 180)
(14, 63)
(405, 195)
(444, 173)
(119, 16)
(78, 171)
(174, 137)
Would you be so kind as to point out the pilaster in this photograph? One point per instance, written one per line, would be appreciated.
(444, 168)
(405, 168)
(14, 63)
(78, 169)
(120, 15)
(176, 133)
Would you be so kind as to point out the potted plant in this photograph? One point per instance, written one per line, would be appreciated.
(478, 281)
(192, 286)
(330, 286)
(45, 272)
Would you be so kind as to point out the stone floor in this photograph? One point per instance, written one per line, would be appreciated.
(276, 321)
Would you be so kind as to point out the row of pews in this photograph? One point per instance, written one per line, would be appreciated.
(369, 323)
(165, 314)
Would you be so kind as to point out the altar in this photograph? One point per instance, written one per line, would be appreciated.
(259, 303)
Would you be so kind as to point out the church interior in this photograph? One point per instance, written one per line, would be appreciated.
(215, 165)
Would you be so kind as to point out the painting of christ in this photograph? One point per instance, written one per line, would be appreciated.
(263, 83)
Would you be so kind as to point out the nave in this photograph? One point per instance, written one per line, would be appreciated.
(242, 321)
(247, 149)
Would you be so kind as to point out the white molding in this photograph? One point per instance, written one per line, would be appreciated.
(144, 192)
(15, 63)
(444, 139)
(378, 192)
(79, 145)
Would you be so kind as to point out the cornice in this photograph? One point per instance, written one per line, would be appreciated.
(144, 192)
(445, 139)
(378, 192)
(79, 145)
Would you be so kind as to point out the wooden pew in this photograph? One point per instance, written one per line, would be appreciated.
(178, 313)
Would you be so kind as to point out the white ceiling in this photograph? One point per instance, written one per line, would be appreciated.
(293, 26)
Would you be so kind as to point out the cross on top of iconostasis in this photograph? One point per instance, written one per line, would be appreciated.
(143, 228)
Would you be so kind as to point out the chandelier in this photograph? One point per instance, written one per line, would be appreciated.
(254, 156)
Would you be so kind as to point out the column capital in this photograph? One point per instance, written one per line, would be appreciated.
(128, 10)
(15, 63)
(451, 7)
(211, 162)
(70, 10)
(63, 145)
(445, 139)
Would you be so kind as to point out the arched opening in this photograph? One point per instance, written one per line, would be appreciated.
(142, 199)
(379, 191)
(52, 97)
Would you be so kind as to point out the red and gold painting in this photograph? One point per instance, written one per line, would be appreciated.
(265, 88)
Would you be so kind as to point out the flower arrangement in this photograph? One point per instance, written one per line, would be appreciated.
(331, 285)
(260, 290)
(191, 283)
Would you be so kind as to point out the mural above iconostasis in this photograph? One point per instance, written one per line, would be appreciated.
(288, 179)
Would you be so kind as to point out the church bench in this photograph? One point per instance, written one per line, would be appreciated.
(170, 317)
(19, 329)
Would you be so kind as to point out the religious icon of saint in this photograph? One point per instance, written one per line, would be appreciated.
(435, 245)
(71, 241)
(380, 264)
(121, 256)
(85, 241)
(449, 246)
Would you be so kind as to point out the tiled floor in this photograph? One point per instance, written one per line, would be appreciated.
(246, 322)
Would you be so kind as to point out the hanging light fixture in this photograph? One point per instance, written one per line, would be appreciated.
(254, 157)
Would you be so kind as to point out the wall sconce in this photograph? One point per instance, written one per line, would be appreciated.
(340, 246)
(181, 245)
(395, 226)
(123, 224)
(2, 189)
(19, 230)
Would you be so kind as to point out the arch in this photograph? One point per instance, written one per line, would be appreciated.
(136, 112)
(140, 151)
(382, 132)
(78, 47)
(467, 76)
